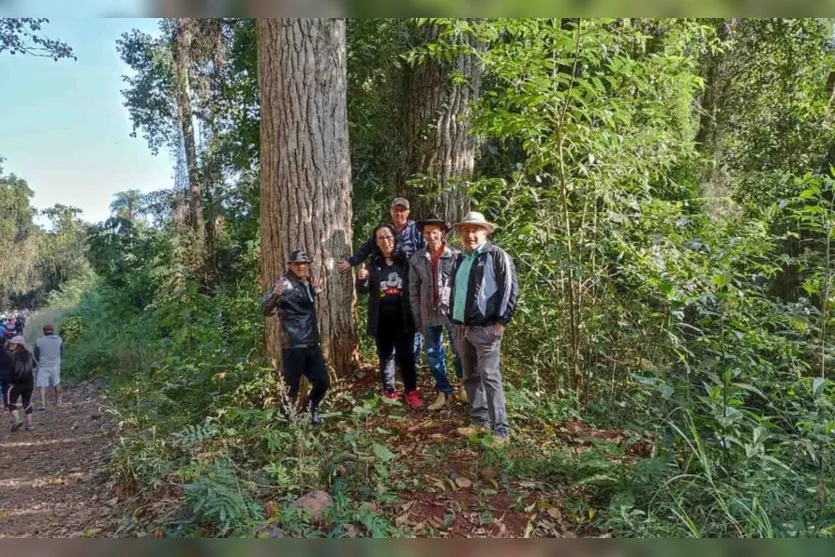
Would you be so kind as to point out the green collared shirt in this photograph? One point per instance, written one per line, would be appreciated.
(462, 283)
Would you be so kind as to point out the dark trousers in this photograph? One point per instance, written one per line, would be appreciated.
(21, 391)
(4, 389)
(307, 361)
(393, 344)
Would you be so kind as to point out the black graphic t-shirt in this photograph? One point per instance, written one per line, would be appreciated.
(390, 290)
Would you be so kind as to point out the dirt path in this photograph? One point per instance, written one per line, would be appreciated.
(52, 481)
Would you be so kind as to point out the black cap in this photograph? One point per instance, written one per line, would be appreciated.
(433, 219)
(299, 256)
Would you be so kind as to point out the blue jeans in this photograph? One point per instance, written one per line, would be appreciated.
(436, 356)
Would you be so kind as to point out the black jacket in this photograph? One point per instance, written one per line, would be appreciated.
(374, 272)
(296, 309)
(493, 291)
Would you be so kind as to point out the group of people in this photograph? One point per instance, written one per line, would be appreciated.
(21, 371)
(419, 287)
(14, 321)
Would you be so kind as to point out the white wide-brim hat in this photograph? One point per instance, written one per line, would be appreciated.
(474, 218)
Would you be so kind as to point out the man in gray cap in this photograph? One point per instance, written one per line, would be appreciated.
(293, 298)
(409, 238)
(484, 297)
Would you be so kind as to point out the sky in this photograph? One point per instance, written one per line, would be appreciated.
(63, 127)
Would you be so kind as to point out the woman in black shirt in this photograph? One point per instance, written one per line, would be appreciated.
(22, 383)
(389, 313)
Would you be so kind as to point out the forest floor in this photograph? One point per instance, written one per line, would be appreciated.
(466, 488)
(53, 481)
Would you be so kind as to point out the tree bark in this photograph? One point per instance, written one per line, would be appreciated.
(439, 142)
(183, 38)
(306, 170)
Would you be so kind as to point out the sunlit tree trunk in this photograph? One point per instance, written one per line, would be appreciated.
(306, 170)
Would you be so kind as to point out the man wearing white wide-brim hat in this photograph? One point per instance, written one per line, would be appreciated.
(484, 296)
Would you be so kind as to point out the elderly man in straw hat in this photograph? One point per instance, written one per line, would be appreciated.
(484, 297)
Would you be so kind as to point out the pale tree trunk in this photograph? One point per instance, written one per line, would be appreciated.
(306, 170)
(438, 130)
(183, 37)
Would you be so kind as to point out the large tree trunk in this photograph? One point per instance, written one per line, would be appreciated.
(183, 37)
(306, 169)
(440, 146)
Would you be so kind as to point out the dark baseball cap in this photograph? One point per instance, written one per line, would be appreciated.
(402, 201)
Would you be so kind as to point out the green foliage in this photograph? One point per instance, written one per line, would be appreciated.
(21, 35)
(695, 347)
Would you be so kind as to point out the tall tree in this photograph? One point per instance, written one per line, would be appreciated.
(126, 204)
(439, 89)
(183, 38)
(305, 168)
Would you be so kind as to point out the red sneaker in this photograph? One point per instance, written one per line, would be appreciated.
(413, 399)
(390, 394)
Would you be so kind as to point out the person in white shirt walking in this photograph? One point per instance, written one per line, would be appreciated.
(49, 351)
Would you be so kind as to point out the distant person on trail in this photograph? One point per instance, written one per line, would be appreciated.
(390, 320)
(22, 383)
(293, 298)
(49, 353)
(19, 324)
(5, 369)
(484, 298)
(409, 239)
(430, 289)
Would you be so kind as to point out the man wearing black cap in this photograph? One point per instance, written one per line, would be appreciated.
(293, 298)
(409, 239)
(430, 289)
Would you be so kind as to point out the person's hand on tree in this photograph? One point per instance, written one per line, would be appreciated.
(318, 285)
(344, 266)
(362, 274)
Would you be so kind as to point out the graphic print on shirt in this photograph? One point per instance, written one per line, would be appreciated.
(392, 286)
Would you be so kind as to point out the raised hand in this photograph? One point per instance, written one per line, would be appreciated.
(318, 285)
(362, 274)
(280, 286)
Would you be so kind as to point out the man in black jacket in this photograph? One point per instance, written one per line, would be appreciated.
(293, 298)
(484, 296)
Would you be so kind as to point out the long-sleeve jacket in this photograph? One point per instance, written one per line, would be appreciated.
(375, 271)
(423, 284)
(492, 291)
(409, 240)
(296, 308)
